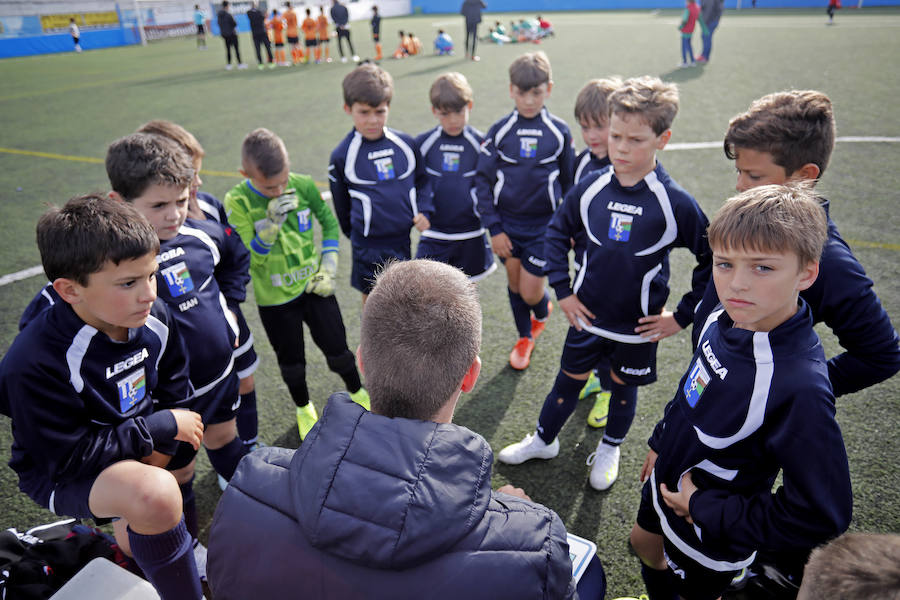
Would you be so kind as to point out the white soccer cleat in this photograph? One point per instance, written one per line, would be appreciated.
(229, 67)
(343, 59)
(604, 463)
(355, 58)
(530, 447)
(242, 66)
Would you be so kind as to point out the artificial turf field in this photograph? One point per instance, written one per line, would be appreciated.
(60, 112)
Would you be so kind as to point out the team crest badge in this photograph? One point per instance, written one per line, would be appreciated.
(696, 383)
(528, 147)
(132, 390)
(620, 227)
(303, 222)
(384, 168)
(451, 161)
(178, 278)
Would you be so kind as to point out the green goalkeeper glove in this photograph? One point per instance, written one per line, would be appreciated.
(322, 283)
(276, 214)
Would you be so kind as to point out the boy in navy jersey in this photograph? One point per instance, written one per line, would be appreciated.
(93, 384)
(377, 178)
(450, 153)
(625, 220)
(789, 136)
(526, 165)
(200, 275)
(754, 401)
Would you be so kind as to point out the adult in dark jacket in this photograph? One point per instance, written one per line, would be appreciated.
(341, 17)
(397, 502)
(710, 12)
(471, 10)
(257, 20)
(228, 31)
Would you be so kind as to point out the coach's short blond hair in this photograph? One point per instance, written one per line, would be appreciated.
(648, 97)
(420, 333)
(592, 102)
(779, 218)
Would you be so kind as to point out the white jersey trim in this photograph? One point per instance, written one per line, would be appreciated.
(75, 355)
(203, 237)
(665, 204)
(765, 368)
(366, 202)
(162, 332)
(452, 237)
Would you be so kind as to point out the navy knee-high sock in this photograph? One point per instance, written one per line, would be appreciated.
(225, 459)
(622, 402)
(659, 584)
(248, 419)
(167, 560)
(542, 308)
(521, 313)
(189, 504)
(558, 406)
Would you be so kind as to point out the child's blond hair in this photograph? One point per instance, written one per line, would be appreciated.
(777, 218)
(648, 97)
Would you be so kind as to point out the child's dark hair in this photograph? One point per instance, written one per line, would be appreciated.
(265, 151)
(89, 231)
(530, 70)
(648, 97)
(795, 127)
(368, 84)
(137, 161)
(450, 91)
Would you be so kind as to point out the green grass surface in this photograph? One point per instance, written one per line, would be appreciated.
(74, 105)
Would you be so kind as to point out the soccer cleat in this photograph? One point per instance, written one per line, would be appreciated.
(261, 66)
(476, 58)
(272, 65)
(361, 397)
(355, 58)
(520, 357)
(597, 417)
(343, 59)
(591, 386)
(530, 447)
(229, 67)
(200, 559)
(702, 59)
(242, 66)
(537, 327)
(604, 463)
(306, 418)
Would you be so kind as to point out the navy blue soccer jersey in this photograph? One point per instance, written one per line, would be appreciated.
(627, 235)
(80, 401)
(212, 207)
(525, 168)
(378, 187)
(752, 404)
(586, 163)
(842, 297)
(199, 271)
(450, 163)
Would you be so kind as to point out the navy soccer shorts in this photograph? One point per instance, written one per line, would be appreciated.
(472, 256)
(368, 261)
(634, 364)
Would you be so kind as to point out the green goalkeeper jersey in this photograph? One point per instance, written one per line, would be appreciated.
(280, 272)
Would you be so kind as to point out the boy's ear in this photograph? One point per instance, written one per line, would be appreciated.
(549, 87)
(808, 172)
(362, 371)
(116, 196)
(68, 290)
(468, 382)
(243, 172)
(808, 275)
(664, 138)
(346, 109)
(470, 105)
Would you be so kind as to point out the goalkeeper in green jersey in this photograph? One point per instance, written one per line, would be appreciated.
(273, 211)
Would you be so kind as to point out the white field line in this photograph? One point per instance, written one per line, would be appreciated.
(38, 270)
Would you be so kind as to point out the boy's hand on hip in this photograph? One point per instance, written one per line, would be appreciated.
(649, 463)
(680, 501)
(501, 245)
(190, 427)
(421, 222)
(576, 312)
(657, 327)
